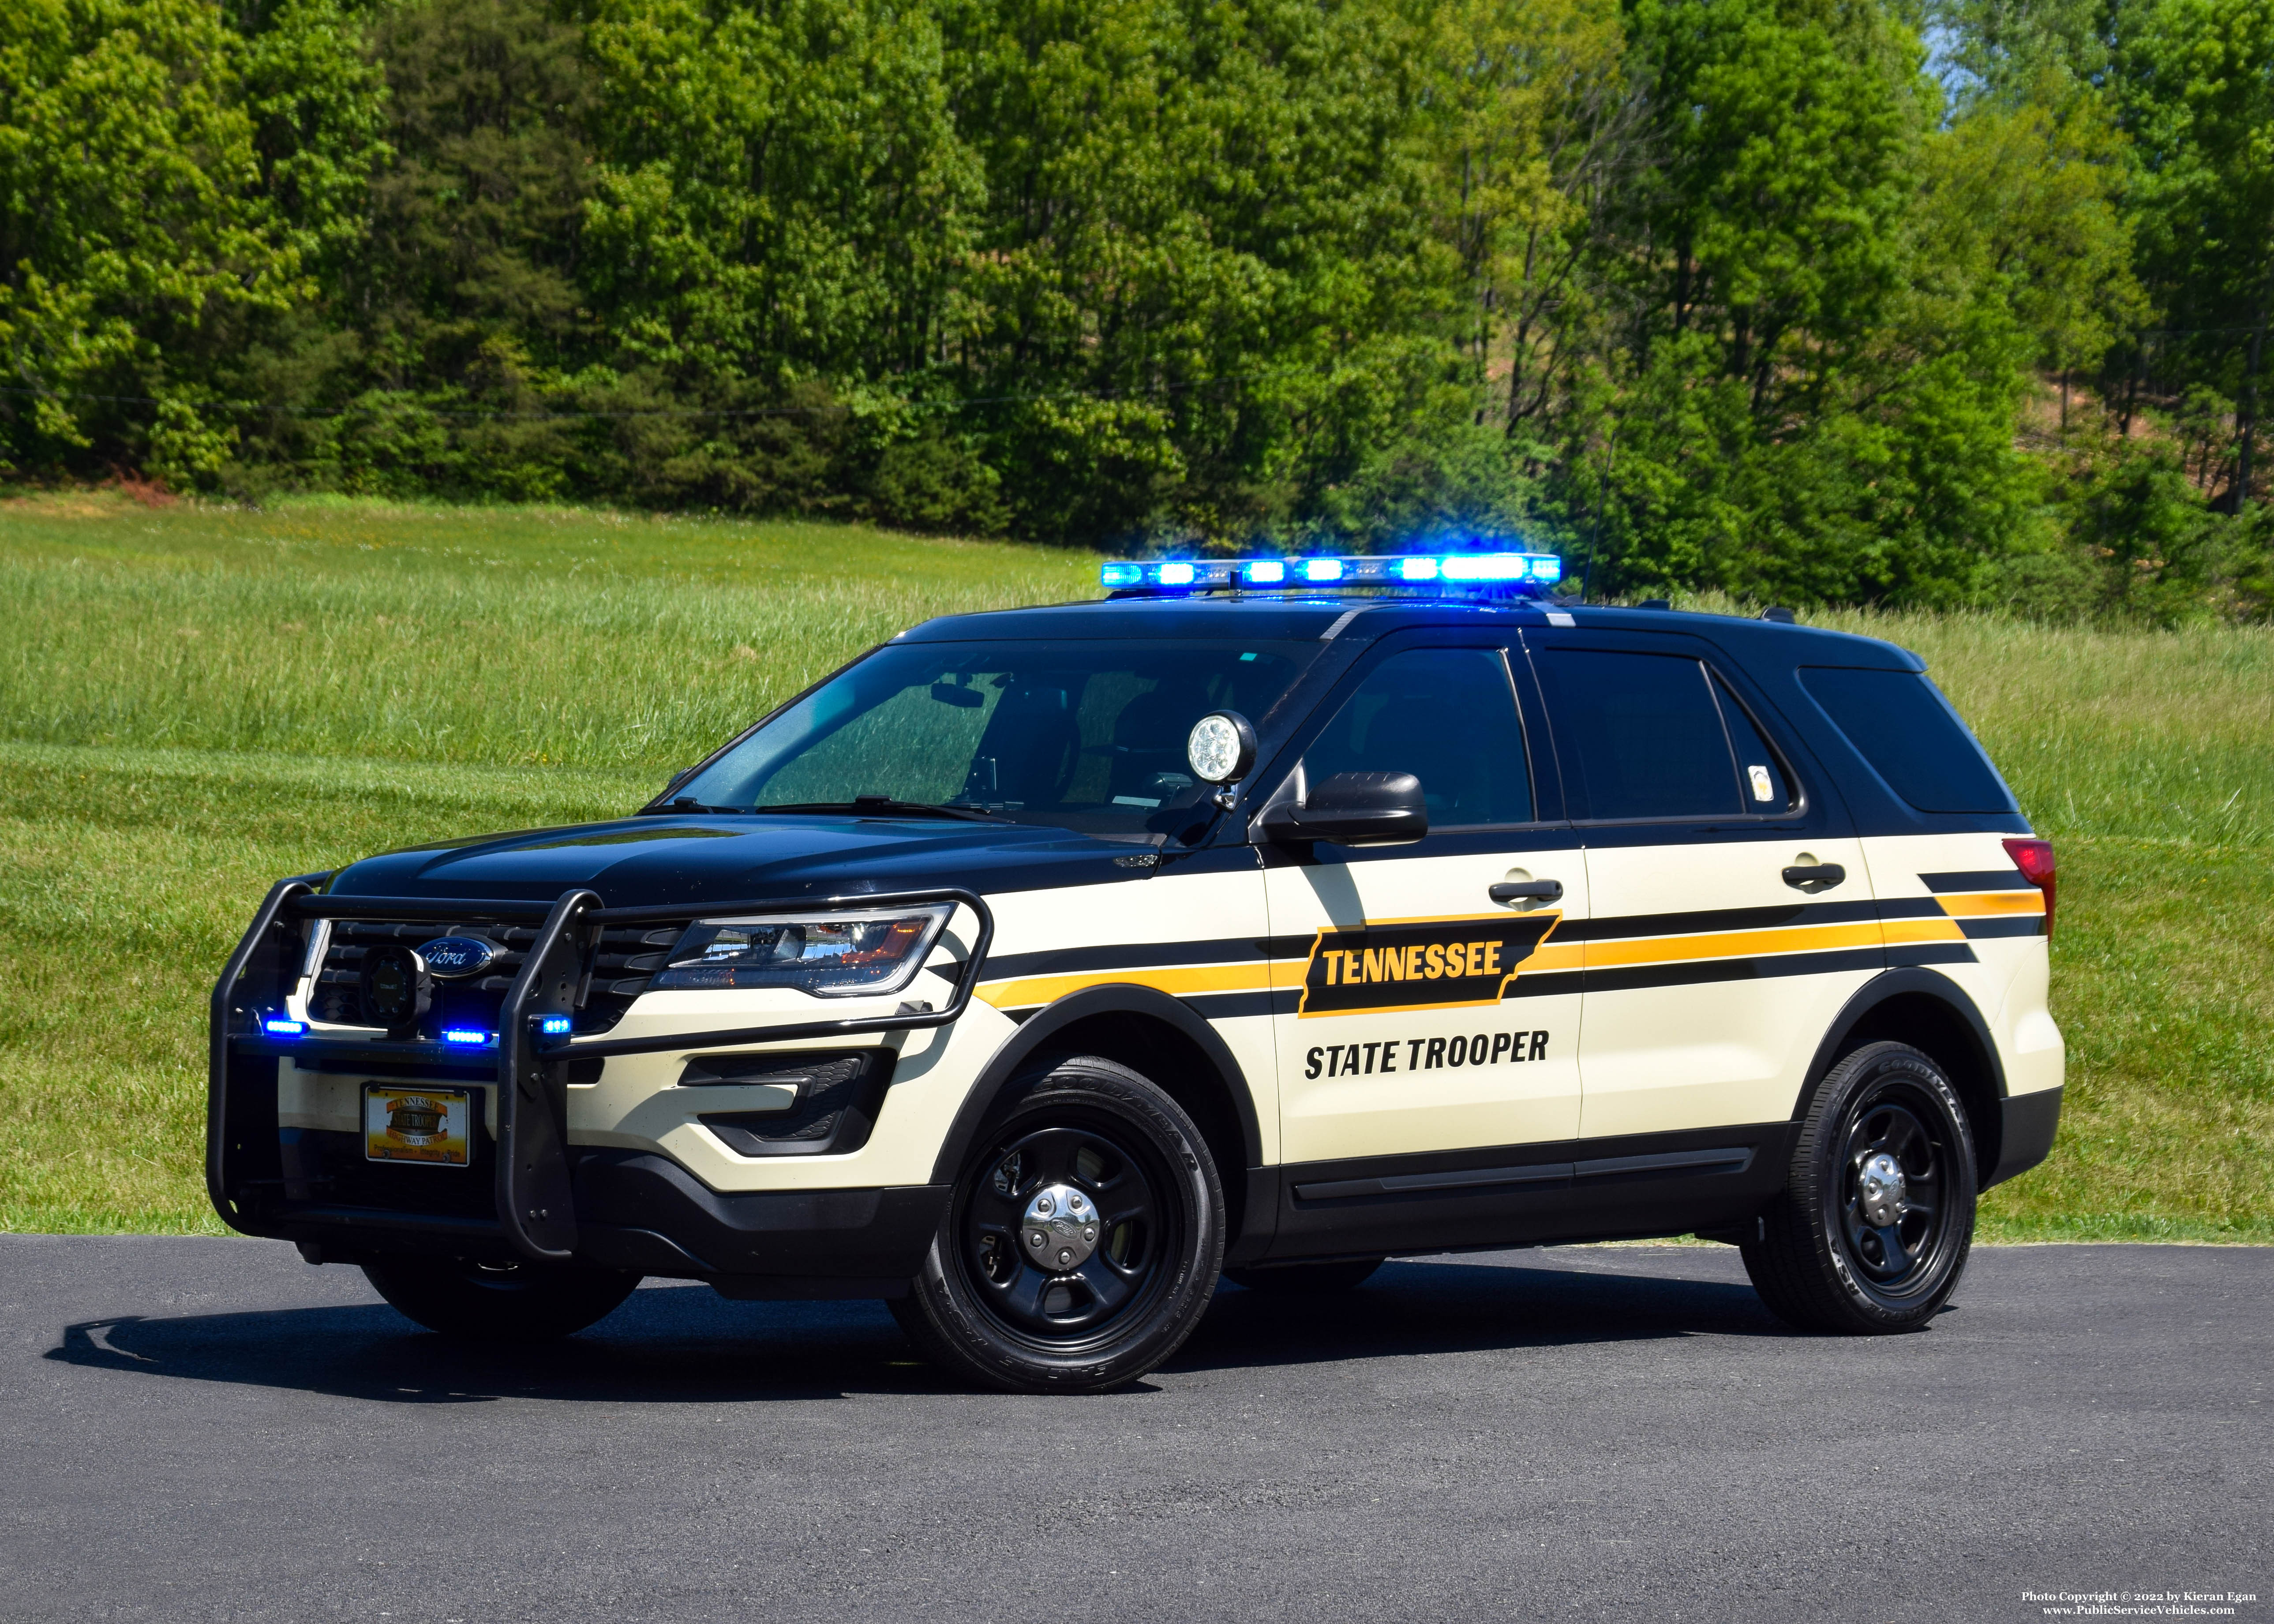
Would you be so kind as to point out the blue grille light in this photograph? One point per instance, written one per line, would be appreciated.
(553, 1025)
(277, 1026)
(464, 1035)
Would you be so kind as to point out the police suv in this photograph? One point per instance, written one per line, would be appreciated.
(1262, 919)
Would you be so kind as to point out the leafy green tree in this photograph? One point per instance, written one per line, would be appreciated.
(150, 204)
(2197, 98)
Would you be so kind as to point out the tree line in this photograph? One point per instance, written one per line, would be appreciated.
(1905, 301)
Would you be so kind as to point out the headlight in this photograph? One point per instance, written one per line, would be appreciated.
(834, 954)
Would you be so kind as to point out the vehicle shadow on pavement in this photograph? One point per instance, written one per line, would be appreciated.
(1458, 1308)
(685, 1344)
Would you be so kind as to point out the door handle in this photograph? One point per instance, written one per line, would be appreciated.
(1526, 891)
(1815, 876)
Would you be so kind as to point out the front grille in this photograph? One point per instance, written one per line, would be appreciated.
(618, 969)
(473, 1000)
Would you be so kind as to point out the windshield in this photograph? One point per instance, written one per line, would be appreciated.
(1086, 735)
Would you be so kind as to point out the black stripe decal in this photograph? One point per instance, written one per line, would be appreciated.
(2026, 925)
(1127, 956)
(1931, 953)
(1977, 879)
(1618, 927)
(1226, 1005)
(1701, 971)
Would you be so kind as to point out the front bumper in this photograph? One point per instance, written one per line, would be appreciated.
(531, 1195)
(645, 1215)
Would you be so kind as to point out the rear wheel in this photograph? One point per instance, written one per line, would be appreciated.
(1877, 1218)
(1083, 1241)
(498, 1301)
(1308, 1279)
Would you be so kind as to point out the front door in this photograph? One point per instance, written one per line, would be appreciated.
(1733, 911)
(1414, 1012)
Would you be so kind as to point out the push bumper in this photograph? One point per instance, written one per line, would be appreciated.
(540, 1199)
(2026, 1138)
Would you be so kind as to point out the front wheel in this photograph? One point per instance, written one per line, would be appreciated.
(497, 1301)
(1872, 1230)
(1081, 1242)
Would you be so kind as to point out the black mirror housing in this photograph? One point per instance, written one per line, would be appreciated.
(1353, 809)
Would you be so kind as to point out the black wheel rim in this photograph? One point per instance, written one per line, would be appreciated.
(1066, 1310)
(1897, 1246)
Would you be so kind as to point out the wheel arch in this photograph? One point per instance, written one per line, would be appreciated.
(1151, 1033)
(1932, 1013)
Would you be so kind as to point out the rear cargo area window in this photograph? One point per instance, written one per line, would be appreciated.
(1900, 723)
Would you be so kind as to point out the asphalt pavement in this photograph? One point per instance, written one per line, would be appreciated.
(196, 1428)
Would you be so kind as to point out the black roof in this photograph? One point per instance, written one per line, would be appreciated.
(1282, 618)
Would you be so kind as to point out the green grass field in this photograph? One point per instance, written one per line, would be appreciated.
(194, 702)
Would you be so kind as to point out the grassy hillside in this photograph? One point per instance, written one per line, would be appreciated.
(193, 702)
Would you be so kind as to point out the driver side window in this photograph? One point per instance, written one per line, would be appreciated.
(1448, 716)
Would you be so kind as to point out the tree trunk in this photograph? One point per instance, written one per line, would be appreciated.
(2246, 413)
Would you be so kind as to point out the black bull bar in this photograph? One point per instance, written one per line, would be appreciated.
(535, 1209)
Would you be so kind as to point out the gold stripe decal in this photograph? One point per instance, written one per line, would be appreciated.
(1445, 964)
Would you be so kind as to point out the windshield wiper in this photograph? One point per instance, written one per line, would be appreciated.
(873, 805)
(688, 803)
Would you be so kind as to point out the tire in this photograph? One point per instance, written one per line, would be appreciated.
(497, 1303)
(1833, 1253)
(1086, 1140)
(1308, 1279)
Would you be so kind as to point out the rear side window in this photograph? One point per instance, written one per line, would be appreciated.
(1654, 735)
(1900, 723)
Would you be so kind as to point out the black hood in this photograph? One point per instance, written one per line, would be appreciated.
(641, 861)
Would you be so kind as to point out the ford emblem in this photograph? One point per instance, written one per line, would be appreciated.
(450, 958)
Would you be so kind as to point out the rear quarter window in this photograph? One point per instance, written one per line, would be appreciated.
(1900, 723)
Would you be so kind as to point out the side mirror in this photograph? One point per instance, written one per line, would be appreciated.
(677, 778)
(1354, 809)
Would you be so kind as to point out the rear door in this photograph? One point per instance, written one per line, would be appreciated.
(1732, 910)
(1413, 1012)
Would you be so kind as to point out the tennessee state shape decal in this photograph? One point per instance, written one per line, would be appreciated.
(1421, 964)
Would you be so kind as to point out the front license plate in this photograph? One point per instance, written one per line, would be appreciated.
(416, 1124)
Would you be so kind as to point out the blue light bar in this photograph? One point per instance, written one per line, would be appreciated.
(468, 1035)
(1448, 571)
(553, 1025)
(277, 1026)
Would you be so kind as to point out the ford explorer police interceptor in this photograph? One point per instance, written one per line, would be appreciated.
(1263, 918)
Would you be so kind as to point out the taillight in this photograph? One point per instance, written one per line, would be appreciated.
(2035, 860)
